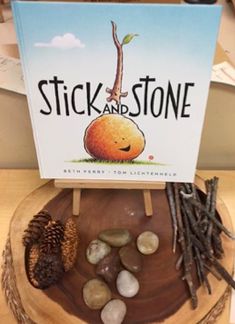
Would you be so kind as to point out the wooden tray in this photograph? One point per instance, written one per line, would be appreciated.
(163, 294)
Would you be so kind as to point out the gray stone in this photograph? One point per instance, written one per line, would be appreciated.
(115, 237)
(113, 312)
(147, 242)
(96, 251)
(127, 284)
(96, 293)
(109, 267)
(131, 259)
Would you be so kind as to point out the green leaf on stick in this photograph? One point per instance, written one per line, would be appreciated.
(128, 38)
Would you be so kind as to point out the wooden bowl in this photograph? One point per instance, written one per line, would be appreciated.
(163, 295)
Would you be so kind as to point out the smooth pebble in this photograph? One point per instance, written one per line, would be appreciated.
(109, 267)
(113, 312)
(147, 242)
(96, 251)
(131, 258)
(96, 293)
(127, 284)
(115, 237)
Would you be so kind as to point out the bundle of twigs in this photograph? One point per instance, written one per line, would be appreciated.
(197, 229)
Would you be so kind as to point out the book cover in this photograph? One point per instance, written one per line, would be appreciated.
(117, 91)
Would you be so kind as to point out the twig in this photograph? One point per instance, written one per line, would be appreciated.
(179, 262)
(212, 187)
(198, 265)
(186, 187)
(169, 189)
(208, 192)
(194, 224)
(213, 271)
(116, 92)
(205, 220)
(219, 268)
(186, 258)
(223, 272)
(196, 196)
(214, 195)
(213, 218)
(209, 236)
(202, 271)
(187, 235)
(217, 244)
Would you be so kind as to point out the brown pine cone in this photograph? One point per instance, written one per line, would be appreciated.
(35, 227)
(70, 244)
(31, 261)
(48, 270)
(52, 237)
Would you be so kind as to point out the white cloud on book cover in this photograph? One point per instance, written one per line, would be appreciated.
(66, 41)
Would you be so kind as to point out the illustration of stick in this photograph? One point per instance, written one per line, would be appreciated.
(116, 92)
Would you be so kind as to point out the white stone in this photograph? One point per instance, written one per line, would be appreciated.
(96, 251)
(113, 312)
(127, 284)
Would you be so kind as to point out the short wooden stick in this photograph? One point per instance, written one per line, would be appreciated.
(76, 201)
(148, 202)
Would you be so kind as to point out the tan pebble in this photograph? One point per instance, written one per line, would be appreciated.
(131, 258)
(116, 237)
(96, 293)
(147, 242)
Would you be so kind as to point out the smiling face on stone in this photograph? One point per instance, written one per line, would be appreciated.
(113, 137)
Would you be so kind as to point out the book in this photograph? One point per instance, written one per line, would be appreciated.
(116, 91)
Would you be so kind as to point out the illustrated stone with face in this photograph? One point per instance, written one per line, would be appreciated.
(113, 137)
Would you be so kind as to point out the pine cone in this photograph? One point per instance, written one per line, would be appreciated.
(31, 261)
(70, 244)
(48, 270)
(35, 227)
(52, 237)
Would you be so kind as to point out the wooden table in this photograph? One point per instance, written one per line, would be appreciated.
(15, 185)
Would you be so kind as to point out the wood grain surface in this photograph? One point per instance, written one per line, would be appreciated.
(162, 293)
